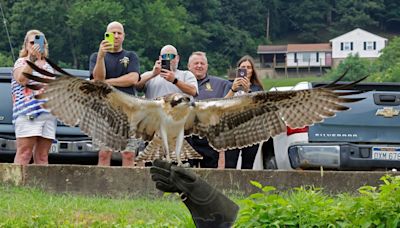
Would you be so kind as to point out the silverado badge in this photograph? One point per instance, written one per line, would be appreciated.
(387, 112)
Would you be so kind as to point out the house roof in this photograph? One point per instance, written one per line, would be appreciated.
(269, 49)
(309, 47)
(357, 30)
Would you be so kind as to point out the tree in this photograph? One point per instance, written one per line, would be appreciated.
(154, 24)
(350, 14)
(388, 64)
(308, 18)
(390, 55)
(42, 15)
(86, 23)
(6, 60)
(356, 68)
(389, 19)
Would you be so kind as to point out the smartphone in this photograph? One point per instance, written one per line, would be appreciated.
(109, 36)
(166, 64)
(39, 39)
(241, 73)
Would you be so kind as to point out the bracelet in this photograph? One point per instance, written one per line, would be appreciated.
(175, 81)
(233, 90)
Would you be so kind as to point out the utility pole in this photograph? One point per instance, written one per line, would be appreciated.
(267, 29)
(8, 35)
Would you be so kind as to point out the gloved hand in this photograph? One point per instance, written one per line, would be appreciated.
(208, 206)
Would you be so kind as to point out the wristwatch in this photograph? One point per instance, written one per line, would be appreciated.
(175, 81)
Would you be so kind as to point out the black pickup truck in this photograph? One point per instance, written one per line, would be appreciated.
(366, 137)
(71, 145)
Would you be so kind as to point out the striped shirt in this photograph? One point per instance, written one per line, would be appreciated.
(24, 103)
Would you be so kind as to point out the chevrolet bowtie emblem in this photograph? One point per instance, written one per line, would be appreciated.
(387, 112)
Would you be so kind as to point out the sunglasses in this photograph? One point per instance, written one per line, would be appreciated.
(168, 56)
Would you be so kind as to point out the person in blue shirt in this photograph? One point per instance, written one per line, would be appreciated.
(209, 87)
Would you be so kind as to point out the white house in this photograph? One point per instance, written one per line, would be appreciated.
(366, 44)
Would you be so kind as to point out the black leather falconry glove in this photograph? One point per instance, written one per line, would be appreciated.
(208, 206)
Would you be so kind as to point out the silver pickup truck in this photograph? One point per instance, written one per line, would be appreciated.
(366, 137)
(71, 145)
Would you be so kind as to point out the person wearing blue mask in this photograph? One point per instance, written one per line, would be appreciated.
(166, 78)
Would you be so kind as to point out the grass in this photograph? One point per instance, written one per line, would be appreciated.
(27, 207)
(300, 207)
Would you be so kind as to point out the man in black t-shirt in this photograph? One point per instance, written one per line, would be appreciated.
(119, 68)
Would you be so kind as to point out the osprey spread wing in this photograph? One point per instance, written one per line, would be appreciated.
(111, 117)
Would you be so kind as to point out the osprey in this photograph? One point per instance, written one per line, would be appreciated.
(112, 117)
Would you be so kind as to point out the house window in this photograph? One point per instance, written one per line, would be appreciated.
(370, 45)
(346, 46)
(306, 57)
(317, 57)
(295, 57)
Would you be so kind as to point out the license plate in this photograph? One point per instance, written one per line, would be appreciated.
(54, 147)
(386, 153)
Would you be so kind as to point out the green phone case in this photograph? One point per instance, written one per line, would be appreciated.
(109, 36)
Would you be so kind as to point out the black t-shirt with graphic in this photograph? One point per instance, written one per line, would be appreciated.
(118, 64)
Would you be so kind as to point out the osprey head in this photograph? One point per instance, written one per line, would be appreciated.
(179, 100)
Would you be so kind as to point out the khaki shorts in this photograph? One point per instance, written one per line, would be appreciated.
(44, 125)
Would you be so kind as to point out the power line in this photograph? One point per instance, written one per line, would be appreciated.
(8, 35)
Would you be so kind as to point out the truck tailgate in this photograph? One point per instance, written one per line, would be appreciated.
(373, 120)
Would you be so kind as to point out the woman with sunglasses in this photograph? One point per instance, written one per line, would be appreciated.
(246, 83)
(35, 127)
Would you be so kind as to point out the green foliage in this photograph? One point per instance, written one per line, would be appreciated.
(85, 26)
(225, 29)
(355, 66)
(307, 19)
(6, 60)
(390, 55)
(351, 14)
(392, 74)
(310, 207)
(388, 63)
(300, 207)
(165, 23)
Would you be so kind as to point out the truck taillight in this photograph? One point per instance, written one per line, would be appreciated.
(291, 131)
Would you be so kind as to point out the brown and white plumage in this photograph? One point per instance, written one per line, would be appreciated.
(111, 117)
(154, 150)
